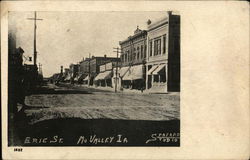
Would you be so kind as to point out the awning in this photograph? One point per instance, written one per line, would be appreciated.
(67, 78)
(137, 72)
(86, 78)
(82, 76)
(127, 76)
(160, 67)
(76, 78)
(134, 73)
(152, 69)
(123, 71)
(103, 75)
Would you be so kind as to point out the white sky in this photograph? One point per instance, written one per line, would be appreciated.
(66, 37)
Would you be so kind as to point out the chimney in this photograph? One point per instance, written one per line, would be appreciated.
(61, 69)
(170, 13)
(149, 22)
(105, 56)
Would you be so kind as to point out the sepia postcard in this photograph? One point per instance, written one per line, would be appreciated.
(125, 80)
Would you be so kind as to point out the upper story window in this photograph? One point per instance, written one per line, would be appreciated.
(142, 51)
(122, 58)
(150, 48)
(138, 53)
(164, 44)
(145, 51)
(126, 57)
(157, 47)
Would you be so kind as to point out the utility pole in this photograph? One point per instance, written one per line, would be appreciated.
(34, 19)
(39, 67)
(41, 70)
(117, 50)
(89, 70)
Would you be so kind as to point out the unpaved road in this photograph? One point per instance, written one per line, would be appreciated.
(68, 101)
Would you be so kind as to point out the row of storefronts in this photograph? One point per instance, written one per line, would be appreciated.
(149, 60)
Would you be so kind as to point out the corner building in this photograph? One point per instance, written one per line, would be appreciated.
(163, 54)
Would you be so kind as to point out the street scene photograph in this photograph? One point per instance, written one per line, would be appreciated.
(94, 78)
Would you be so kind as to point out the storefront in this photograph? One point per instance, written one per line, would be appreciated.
(157, 77)
(134, 77)
(67, 79)
(81, 78)
(85, 80)
(103, 79)
(163, 60)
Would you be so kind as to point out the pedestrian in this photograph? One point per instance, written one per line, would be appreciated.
(142, 86)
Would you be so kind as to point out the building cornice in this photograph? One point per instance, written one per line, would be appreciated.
(158, 24)
(143, 32)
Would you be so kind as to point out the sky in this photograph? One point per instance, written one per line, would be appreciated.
(66, 37)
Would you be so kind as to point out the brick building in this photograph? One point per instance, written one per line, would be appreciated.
(73, 71)
(133, 58)
(104, 78)
(163, 55)
(90, 67)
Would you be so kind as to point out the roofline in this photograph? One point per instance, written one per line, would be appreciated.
(134, 36)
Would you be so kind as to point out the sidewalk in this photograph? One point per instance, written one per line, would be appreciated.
(127, 90)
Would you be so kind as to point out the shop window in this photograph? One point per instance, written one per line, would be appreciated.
(163, 78)
(156, 78)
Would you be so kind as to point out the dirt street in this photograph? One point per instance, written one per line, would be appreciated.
(71, 101)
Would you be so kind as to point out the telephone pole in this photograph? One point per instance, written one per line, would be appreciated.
(89, 70)
(117, 50)
(35, 19)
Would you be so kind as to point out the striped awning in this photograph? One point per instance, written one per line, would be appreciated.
(152, 69)
(86, 78)
(157, 70)
(82, 76)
